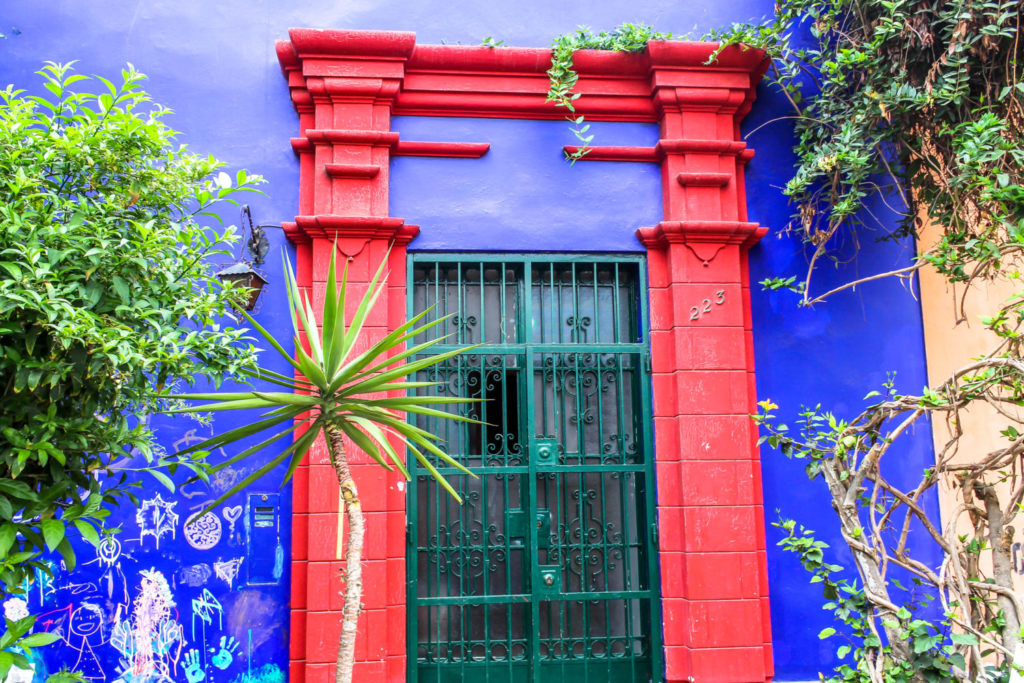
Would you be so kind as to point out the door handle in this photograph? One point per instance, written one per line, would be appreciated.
(516, 528)
(543, 523)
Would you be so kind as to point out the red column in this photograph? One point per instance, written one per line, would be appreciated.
(711, 538)
(344, 150)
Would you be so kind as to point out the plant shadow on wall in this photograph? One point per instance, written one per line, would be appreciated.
(916, 105)
(106, 299)
(341, 393)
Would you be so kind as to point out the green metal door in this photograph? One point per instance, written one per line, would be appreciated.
(547, 572)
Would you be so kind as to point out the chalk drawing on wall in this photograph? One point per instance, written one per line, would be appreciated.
(222, 480)
(43, 581)
(225, 654)
(270, 673)
(228, 570)
(14, 609)
(205, 608)
(108, 556)
(203, 533)
(232, 515)
(108, 551)
(193, 667)
(195, 575)
(157, 518)
(150, 641)
(86, 634)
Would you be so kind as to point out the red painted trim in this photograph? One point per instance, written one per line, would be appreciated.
(374, 138)
(352, 137)
(689, 232)
(346, 86)
(351, 170)
(464, 150)
(665, 148)
(704, 179)
(648, 154)
(313, 42)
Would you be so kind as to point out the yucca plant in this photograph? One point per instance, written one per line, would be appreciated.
(337, 392)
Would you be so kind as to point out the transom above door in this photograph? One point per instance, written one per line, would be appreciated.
(548, 570)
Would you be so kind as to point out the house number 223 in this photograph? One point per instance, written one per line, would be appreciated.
(705, 306)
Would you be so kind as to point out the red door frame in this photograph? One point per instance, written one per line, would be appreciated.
(345, 86)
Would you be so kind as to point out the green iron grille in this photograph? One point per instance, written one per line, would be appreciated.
(547, 571)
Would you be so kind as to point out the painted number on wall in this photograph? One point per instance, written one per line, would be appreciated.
(705, 306)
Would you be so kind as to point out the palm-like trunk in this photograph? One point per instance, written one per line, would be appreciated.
(353, 557)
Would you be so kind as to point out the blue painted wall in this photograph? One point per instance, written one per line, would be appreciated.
(213, 63)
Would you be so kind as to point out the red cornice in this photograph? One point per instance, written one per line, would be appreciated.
(457, 80)
(367, 227)
(697, 232)
(314, 42)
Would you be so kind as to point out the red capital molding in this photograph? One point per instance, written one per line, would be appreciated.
(665, 233)
(376, 227)
(346, 86)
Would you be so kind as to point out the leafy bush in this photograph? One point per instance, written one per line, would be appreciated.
(106, 297)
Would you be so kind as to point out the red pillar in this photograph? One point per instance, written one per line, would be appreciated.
(344, 107)
(712, 545)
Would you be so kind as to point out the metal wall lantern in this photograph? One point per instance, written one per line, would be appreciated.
(244, 272)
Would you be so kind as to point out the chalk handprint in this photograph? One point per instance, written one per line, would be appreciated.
(193, 669)
(226, 654)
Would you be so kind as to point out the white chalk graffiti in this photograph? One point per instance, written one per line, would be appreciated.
(15, 609)
(156, 518)
(87, 630)
(203, 533)
(108, 551)
(43, 581)
(150, 641)
(108, 556)
(195, 575)
(232, 515)
(228, 570)
(205, 607)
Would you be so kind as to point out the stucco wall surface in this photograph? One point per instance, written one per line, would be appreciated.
(214, 65)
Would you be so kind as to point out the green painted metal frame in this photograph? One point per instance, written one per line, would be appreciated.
(533, 666)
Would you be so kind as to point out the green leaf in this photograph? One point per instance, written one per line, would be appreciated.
(7, 536)
(826, 632)
(162, 478)
(53, 532)
(39, 639)
(964, 638)
(88, 532)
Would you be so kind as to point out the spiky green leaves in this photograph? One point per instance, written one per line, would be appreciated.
(360, 393)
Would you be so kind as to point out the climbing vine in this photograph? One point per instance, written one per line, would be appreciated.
(562, 76)
(912, 109)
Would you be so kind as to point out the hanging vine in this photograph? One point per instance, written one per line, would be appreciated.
(562, 76)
